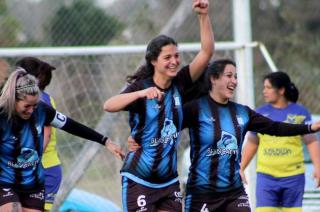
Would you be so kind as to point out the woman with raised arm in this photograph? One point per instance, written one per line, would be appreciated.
(217, 127)
(154, 100)
(22, 121)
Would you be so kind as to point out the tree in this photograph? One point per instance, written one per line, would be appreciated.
(9, 25)
(82, 23)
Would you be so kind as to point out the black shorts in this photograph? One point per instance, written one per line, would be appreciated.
(219, 202)
(136, 197)
(31, 200)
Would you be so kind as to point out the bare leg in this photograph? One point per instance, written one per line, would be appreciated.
(11, 207)
(30, 210)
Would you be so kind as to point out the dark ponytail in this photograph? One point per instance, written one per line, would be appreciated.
(280, 80)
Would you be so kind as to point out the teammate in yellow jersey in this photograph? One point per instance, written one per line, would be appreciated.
(280, 164)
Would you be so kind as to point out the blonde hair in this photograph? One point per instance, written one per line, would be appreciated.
(18, 86)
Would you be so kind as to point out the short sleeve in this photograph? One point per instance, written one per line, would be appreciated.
(136, 86)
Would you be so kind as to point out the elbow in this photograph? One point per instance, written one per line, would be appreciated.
(211, 51)
(107, 106)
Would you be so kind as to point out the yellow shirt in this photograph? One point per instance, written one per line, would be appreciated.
(282, 156)
(50, 156)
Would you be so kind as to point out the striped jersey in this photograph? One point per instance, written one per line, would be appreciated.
(20, 155)
(216, 137)
(156, 125)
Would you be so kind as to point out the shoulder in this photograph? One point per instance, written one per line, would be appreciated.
(183, 75)
(264, 107)
(299, 107)
(137, 85)
(42, 108)
(192, 103)
(238, 105)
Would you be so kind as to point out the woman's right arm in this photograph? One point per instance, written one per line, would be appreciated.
(248, 152)
(121, 101)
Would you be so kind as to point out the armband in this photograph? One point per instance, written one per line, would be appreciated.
(105, 140)
(309, 128)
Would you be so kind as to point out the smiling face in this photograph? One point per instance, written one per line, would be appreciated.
(25, 107)
(224, 86)
(168, 61)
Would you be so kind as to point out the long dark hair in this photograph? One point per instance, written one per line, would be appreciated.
(203, 85)
(280, 80)
(38, 68)
(153, 51)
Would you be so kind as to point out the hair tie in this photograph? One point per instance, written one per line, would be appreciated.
(25, 86)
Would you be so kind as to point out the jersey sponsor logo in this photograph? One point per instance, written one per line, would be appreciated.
(294, 119)
(277, 152)
(227, 145)
(59, 120)
(169, 134)
(27, 158)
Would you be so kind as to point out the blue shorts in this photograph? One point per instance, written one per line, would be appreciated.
(279, 192)
(53, 176)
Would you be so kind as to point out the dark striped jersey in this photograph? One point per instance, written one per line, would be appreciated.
(216, 137)
(21, 145)
(156, 125)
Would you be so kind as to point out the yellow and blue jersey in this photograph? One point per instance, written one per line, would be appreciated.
(50, 156)
(282, 156)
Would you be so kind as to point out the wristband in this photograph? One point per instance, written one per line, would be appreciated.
(310, 130)
(105, 140)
